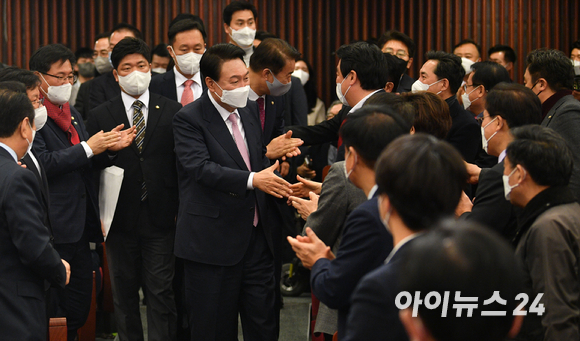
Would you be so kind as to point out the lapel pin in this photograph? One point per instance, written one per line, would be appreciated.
(72, 117)
(272, 102)
(156, 107)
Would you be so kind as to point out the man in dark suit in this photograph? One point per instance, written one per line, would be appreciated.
(184, 83)
(223, 222)
(140, 241)
(401, 45)
(550, 75)
(508, 106)
(67, 153)
(28, 257)
(365, 242)
(409, 202)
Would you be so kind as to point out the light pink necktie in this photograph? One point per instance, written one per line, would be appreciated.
(187, 96)
(244, 151)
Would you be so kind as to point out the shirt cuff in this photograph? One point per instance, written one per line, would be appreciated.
(87, 149)
(250, 184)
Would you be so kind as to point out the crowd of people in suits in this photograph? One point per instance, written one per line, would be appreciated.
(459, 184)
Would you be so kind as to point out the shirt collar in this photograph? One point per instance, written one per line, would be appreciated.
(501, 156)
(253, 96)
(398, 246)
(180, 79)
(362, 101)
(10, 151)
(221, 110)
(129, 100)
(372, 192)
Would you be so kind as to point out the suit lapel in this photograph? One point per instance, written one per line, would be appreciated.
(119, 116)
(252, 138)
(155, 110)
(58, 132)
(270, 108)
(169, 80)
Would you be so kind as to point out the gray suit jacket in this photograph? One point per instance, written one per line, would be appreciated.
(564, 118)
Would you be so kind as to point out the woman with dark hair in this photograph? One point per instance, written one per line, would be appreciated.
(304, 71)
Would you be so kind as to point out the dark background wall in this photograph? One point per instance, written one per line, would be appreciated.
(316, 27)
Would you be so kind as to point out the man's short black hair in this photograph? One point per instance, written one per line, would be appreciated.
(127, 46)
(211, 63)
(468, 41)
(123, 26)
(470, 260)
(423, 178)
(489, 74)
(43, 58)
(515, 103)
(236, 6)
(184, 16)
(273, 54)
(263, 35)
(28, 78)
(15, 86)
(396, 68)
(370, 129)
(103, 35)
(508, 53)
(84, 52)
(394, 102)
(449, 67)
(543, 153)
(185, 25)
(15, 107)
(553, 66)
(431, 113)
(160, 50)
(398, 36)
(367, 61)
(575, 45)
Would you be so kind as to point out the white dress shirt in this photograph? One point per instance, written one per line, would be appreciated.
(180, 84)
(362, 101)
(128, 104)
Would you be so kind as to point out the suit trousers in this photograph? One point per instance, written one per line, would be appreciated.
(144, 256)
(216, 294)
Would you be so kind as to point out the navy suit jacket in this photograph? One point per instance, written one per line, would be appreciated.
(43, 183)
(216, 210)
(465, 133)
(27, 255)
(373, 314)
(155, 164)
(274, 123)
(164, 85)
(102, 89)
(73, 196)
(364, 246)
(296, 105)
(405, 84)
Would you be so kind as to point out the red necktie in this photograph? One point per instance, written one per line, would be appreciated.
(63, 119)
(187, 96)
(262, 109)
(340, 137)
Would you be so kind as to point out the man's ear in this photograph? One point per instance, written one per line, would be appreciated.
(542, 84)
(389, 87)
(116, 75)
(227, 29)
(444, 84)
(267, 75)
(409, 63)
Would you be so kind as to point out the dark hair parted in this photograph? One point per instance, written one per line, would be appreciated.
(431, 113)
(84, 52)
(553, 66)
(468, 41)
(463, 257)
(236, 6)
(211, 63)
(183, 26)
(15, 86)
(367, 61)
(398, 36)
(508, 53)
(515, 103)
(103, 35)
(272, 54)
(449, 67)
(123, 26)
(370, 129)
(543, 153)
(489, 74)
(127, 46)
(575, 45)
(28, 78)
(15, 107)
(184, 16)
(160, 50)
(423, 178)
(394, 102)
(43, 58)
(396, 67)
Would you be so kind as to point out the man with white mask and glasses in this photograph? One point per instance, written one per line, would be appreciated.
(67, 153)
(240, 26)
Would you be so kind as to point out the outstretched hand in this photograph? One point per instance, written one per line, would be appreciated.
(268, 182)
(310, 248)
(303, 187)
(283, 145)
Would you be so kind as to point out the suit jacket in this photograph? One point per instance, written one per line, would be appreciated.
(155, 164)
(83, 103)
(465, 133)
(296, 105)
(325, 131)
(490, 207)
(564, 118)
(73, 196)
(275, 112)
(43, 183)
(405, 84)
(102, 89)
(164, 85)
(365, 245)
(28, 257)
(216, 210)
(373, 314)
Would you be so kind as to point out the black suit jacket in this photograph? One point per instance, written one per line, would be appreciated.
(405, 84)
(275, 112)
(216, 210)
(83, 104)
(465, 133)
(73, 196)
(155, 164)
(43, 183)
(102, 89)
(296, 105)
(164, 85)
(27, 255)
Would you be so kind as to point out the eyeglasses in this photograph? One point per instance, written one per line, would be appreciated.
(400, 53)
(37, 102)
(480, 120)
(70, 78)
(465, 86)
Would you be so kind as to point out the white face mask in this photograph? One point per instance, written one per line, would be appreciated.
(465, 98)
(40, 117)
(339, 94)
(348, 173)
(159, 70)
(420, 86)
(466, 63)
(485, 141)
(103, 65)
(507, 189)
(58, 95)
(30, 142)
(278, 88)
(304, 76)
(243, 37)
(135, 83)
(385, 220)
(188, 63)
(237, 98)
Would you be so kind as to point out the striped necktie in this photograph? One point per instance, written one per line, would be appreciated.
(139, 123)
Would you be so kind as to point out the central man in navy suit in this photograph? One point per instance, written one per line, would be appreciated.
(222, 232)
